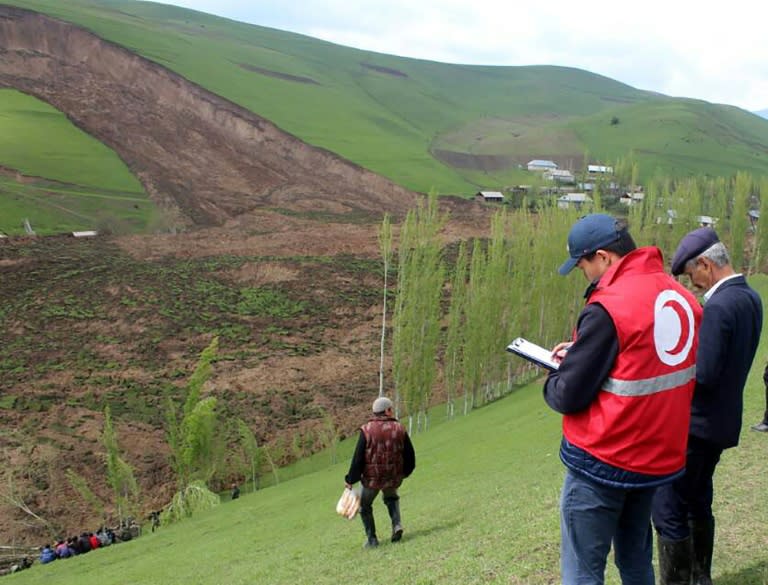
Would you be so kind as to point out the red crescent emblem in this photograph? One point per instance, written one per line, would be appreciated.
(684, 326)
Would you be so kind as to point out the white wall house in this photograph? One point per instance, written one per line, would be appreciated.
(541, 165)
(599, 170)
(574, 200)
(559, 176)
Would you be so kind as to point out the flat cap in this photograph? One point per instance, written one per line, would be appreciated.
(381, 404)
(693, 244)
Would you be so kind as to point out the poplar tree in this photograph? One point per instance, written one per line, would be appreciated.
(453, 360)
(417, 309)
(738, 228)
(120, 476)
(253, 453)
(761, 227)
(385, 246)
(474, 323)
(191, 434)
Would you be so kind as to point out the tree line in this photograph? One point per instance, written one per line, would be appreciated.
(456, 310)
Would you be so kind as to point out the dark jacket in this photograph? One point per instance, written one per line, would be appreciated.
(357, 466)
(47, 555)
(730, 332)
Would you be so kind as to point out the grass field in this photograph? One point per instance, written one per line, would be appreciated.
(481, 507)
(71, 181)
(38, 140)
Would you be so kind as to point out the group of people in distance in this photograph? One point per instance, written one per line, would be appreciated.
(76, 545)
(650, 387)
(87, 541)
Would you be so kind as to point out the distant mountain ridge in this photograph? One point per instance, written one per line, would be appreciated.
(762, 113)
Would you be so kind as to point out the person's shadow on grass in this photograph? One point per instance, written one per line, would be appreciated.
(421, 532)
(756, 574)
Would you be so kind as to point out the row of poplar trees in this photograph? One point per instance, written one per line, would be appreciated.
(457, 308)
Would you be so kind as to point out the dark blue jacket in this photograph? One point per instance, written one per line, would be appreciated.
(728, 339)
(47, 555)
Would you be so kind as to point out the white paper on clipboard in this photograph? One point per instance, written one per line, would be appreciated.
(533, 353)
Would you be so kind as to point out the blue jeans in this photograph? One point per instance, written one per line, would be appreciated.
(592, 516)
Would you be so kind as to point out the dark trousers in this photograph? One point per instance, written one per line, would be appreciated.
(689, 497)
(765, 414)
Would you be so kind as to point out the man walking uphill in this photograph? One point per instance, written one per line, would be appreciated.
(384, 456)
(730, 332)
(624, 386)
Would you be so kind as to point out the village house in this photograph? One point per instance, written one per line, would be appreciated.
(541, 165)
(574, 201)
(632, 198)
(599, 170)
(559, 176)
(490, 196)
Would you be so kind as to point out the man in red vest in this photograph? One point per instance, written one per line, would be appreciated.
(384, 456)
(624, 386)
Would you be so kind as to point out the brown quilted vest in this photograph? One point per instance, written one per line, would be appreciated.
(384, 438)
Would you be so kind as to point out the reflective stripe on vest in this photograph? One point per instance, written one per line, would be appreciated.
(650, 385)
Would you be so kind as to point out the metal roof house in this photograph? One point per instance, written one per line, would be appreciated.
(541, 165)
(599, 169)
(560, 176)
(574, 200)
(494, 196)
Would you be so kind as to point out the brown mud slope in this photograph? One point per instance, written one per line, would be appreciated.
(191, 149)
(121, 321)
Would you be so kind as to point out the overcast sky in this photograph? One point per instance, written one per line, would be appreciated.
(705, 50)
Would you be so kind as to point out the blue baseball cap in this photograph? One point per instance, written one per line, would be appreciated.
(588, 235)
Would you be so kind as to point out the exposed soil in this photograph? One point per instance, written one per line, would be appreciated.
(121, 321)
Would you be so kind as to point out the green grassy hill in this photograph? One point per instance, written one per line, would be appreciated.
(481, 507)
(70, 180)
(399, 116)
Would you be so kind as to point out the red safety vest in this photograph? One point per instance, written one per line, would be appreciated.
(384, 440)
(639, 420)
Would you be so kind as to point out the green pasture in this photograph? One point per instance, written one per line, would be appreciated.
(70, 180)
(386, 113)
(676, 138)
(52, 208)
(481, 507)
(38, 140)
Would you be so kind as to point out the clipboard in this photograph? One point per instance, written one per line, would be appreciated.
(533, 353)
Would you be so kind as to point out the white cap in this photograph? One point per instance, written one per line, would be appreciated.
(381, 404)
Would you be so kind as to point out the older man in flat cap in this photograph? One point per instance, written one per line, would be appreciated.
(728, 339)
(384, 456)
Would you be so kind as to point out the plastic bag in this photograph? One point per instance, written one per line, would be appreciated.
(349, 502)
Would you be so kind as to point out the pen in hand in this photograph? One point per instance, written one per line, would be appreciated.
(560, 350)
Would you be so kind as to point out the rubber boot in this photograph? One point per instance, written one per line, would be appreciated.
(393, 506)
(674, 561)
(366, 515)
(703, 542)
